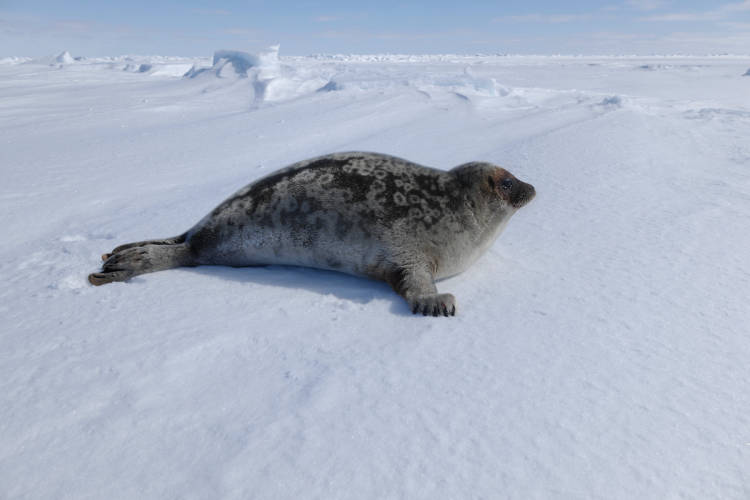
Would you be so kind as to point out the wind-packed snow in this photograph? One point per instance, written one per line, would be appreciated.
(269, 79)
(601, 348)
(64, 58)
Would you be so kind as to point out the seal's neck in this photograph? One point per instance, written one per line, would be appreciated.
(468, 248)
(492, 226)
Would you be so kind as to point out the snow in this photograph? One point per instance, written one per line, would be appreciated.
(64, 58)
(267, 78)
(600, 349)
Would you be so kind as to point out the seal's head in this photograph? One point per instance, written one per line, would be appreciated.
(499, 188)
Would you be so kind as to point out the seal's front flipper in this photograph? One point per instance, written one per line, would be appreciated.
(436, 305)
(416, 284)
(142, 259)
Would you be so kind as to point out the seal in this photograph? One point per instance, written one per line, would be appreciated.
(365, 214)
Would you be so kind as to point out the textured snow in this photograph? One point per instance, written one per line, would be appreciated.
(267, 79)
(64, 58)
(601, 348)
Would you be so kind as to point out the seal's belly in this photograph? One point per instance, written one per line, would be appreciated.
(304, 249)
(320, 243)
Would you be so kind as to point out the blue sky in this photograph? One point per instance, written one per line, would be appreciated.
(96, 28)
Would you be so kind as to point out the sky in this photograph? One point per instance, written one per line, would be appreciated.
(189, 28)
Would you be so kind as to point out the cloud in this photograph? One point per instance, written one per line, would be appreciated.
(646, 4)
(240, 32)
(405, 36)
(9, 28)
(718, 14)
(211, 12)
(686, 43)
(337, 34)
(737, 7)
(71, 26)
(736, 26)
(543, 18)
(360, 35)
(683, 16)
(348, 16)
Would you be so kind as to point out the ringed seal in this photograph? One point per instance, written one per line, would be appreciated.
(365, 214)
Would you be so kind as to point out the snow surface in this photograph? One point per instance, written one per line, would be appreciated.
(601, 347)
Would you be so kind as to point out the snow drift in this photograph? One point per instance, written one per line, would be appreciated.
(64, 58)
(268, 79)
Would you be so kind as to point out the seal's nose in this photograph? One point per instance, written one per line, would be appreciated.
(524, 194)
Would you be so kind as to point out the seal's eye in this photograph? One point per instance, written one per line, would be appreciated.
(507, 184)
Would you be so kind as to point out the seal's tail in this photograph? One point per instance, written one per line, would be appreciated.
(143, 257)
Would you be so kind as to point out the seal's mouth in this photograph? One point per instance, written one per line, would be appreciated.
(523, 195)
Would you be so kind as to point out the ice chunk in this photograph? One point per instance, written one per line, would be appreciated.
(64, 58)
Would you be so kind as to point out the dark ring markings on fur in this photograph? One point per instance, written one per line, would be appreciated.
(365, 214)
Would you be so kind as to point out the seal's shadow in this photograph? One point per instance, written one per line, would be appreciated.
(343, 286)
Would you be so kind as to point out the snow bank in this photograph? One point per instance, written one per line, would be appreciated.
(654, 67)
(614, 101)
(157, 66)
(268, 79)
(470, 84)
(237, 64)
(14, 60)
(138, 68)
(60, 60)
(64, 58)
(170, 70)
(154, 68)
(331, 86)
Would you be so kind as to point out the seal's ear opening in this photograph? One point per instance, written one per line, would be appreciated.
(491, 182)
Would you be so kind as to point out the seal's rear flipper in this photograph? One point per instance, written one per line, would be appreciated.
(167, 241)
(146, 258)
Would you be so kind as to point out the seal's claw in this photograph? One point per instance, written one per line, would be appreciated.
(439, 304)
